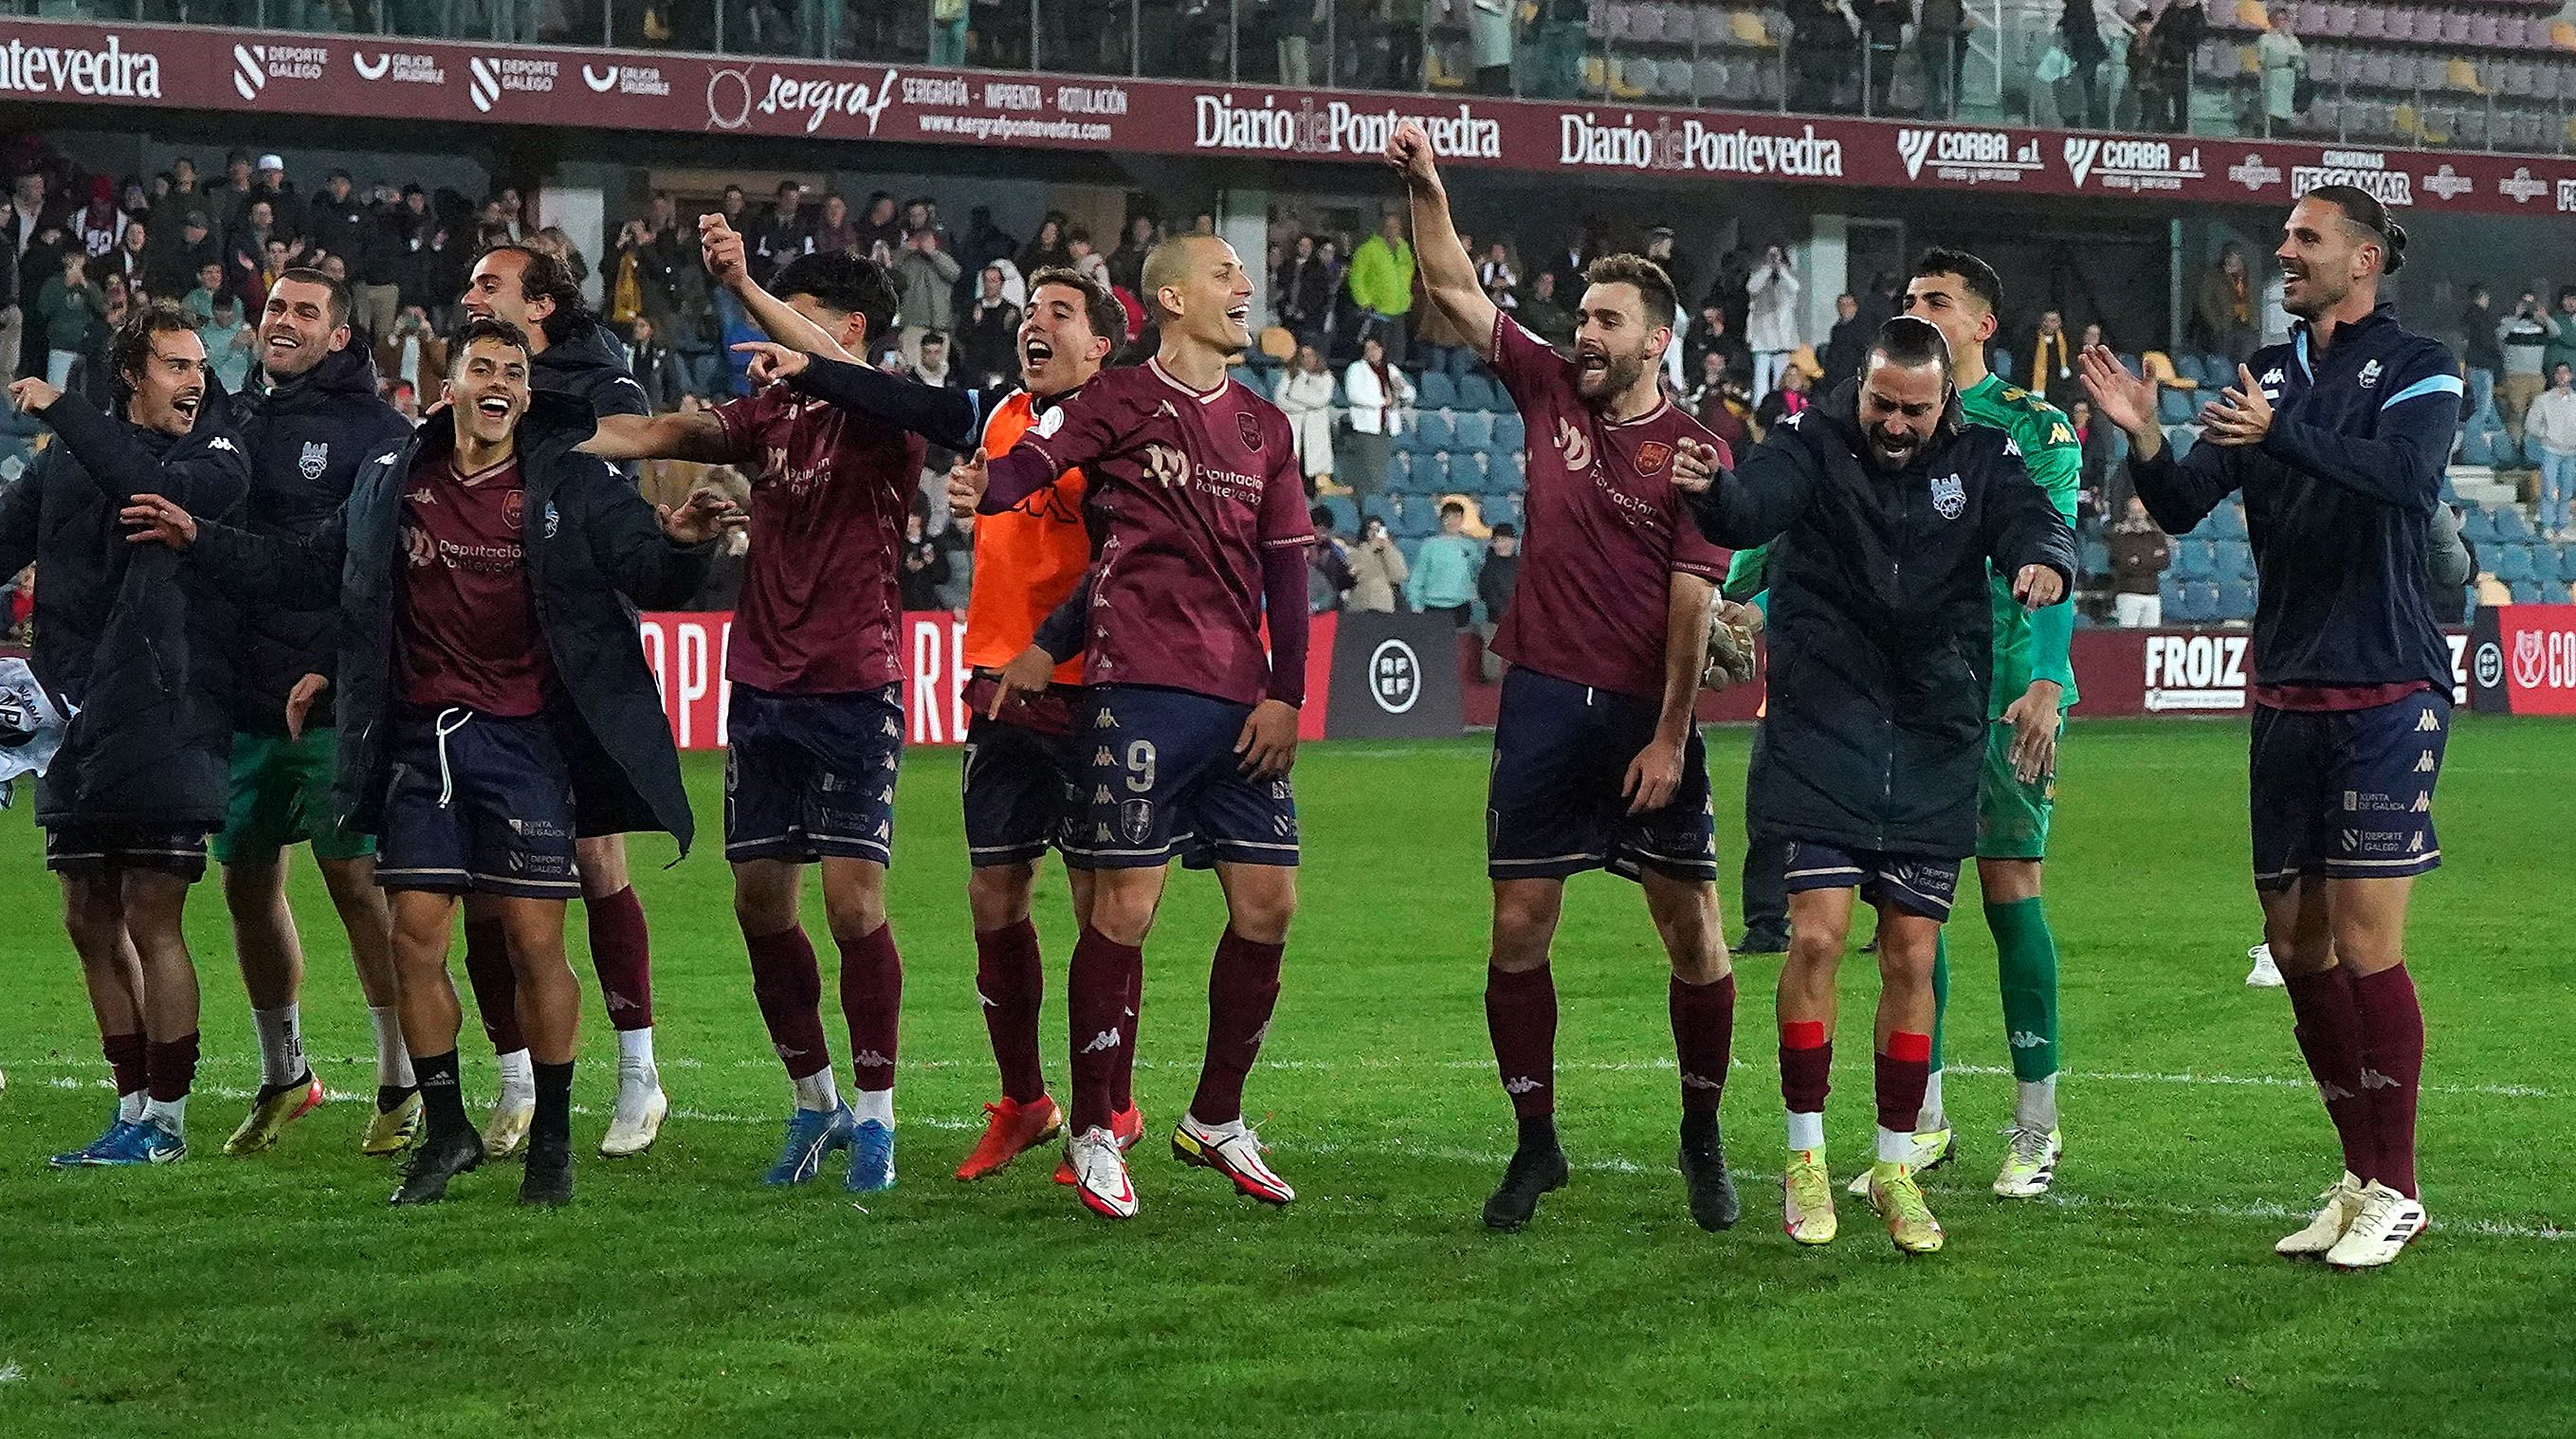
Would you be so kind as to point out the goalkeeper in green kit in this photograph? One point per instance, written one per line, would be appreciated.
(2034, 685)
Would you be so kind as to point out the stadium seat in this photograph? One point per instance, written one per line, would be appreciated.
(2181, 438)
(2227, 522)
(1430, 433)
(2478, 527)
(2511, 563)
(1345, 511)
(2532, 592)
(1436, 390)
(2235, 600)
(2511, 527)
(1509, 433)
(2095, 558)
(1399, 473)
(2234, 560)
(2192, 560)
(2187, 370)
(2173, 407)
(2169, 589)
(1479, 392)
(2567, 563)
(1507, 469)
(1472, 430)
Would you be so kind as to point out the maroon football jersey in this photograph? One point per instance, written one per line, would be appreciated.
(1605, 529)
(1192, 486)
(822, 599)
(467, 625)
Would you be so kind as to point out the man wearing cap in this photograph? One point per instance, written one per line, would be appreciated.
(270, 183)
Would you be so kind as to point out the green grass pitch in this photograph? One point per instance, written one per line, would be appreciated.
(278, 1296)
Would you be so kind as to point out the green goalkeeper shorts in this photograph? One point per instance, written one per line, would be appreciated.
(2012, 817)
(281, 795)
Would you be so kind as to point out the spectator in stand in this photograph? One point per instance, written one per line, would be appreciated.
(2139, 554)
(1789, 397)
(336, 222)
(66, 307)
(177, 260)
(2171, 41)
(1046, 249)
(925, 564)
(986, 244)
(922, 276)
(2479, 347)
(835, 233)
(1328, 565)
(1499, 277)
(228, 197)
(2552, 426)
(2224, 309)
(131, 260)
(2562, 332)
(1378, 571)
(376, 264)
(656, 366)
(1489, 44)
(881, 225)
(2050, 371)
(921, 213)
(1299, 290)
(784, 233)
(1847, 343)
(948, 32)
(1718, 400)
(1822, 51)
(933, 368)
(1771, 319)
(1306, 398)
(2079, 38)
(100, 224)
(269, 182)
(1941, 45)
(1127, 263)
(201, 300)
(248, 272)
(1378, 394)
(2524, 337)
(1883, 24)
(1709, 335)
(2285, 65)
(988, 339)
(1499, 572)
(228, 340)
(1381, 283)
(1541, 315)
(1443, 581)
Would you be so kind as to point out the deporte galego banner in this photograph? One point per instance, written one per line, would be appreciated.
(371, 76)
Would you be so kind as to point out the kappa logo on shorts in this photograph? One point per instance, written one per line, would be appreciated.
(1136, 820)
(1949, 496)
(1249, 429)
(2427, 721)
(317, 457)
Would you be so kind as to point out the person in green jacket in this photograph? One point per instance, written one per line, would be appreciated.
(1443, 581)
(66, 308)
(1381, 282)
(2561, 349)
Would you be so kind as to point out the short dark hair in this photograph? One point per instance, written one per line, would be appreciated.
(1321, 515)
(786, 186)
(307, 275)
(1100, 309)
(1452, 507)
(934, 337)
(1507, 531)
(851, 284)
(1976, 275)
(485, 327)
(1656, 286)
(547, 278)
(1908, 341)
(2360, 207)
(131, 349)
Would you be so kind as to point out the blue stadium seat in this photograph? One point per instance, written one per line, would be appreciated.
(2235, 600)
(2478, 526)
(2227, 522)
(1507, 469)
(1430, 433)
(2182, 438)
(1346, 514)
(2096, 558)
(1430, 473)
(1475, 392)
(2511, 563)
(2567, 562)
(2182, 603)
(2235, 560)
(2532, 592)
(1472, 430)
(1399, 473)
(1435, 390)
(2476, 448)
(2510, 526)
(1509, 432)
(2192, 559)
(1411, 517)
(2219, 369)
(1466, 470)
(2188, 366)
(2173, 407)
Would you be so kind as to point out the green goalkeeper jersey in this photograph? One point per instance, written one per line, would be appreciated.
(2027, 647)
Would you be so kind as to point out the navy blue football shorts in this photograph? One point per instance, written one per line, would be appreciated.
(812, 777)
(2346, 794)
(1912, 883)
(1553, 805)
(1023, 790)
(1161, 780)
(478, 804)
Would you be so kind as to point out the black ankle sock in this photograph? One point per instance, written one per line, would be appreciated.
(1699, 1128)
(1538, 1131)
(553, 1123)
(440, 1096)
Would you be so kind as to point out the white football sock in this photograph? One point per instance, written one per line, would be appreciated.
(635, 1049)
(518, 1076)
(817, 1092)
(393, 1058)
(1895, 1146)
(170, 1114)
(1806, 1131)
(129, 1107)
(876, 1104)
(1930, 1119)
(2035, 1103)
(281, 1045)
(1231, 1126)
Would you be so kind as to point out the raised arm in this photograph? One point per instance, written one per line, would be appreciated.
(209, 477)
(680, 435)
(722, 247)
(1447, 275)
(950, 419)
(298, 571)
(2399, 464)
(2179, 494)
(634, 545)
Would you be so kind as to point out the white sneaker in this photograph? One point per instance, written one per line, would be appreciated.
(1234, 1151)
(2265, 974)
(1932, 1149)
(2341, 1201)
(2030, 1162)
(507, 1129)
(641, 1108)
(2387, 1222)
(1100, 1173)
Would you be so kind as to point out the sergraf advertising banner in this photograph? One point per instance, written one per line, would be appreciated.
(366, 76)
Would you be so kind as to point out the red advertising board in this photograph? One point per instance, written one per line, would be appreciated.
(2523, 660)
(200, 68)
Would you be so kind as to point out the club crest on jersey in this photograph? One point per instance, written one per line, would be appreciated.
(317, 454)
(1949, 496)
(1249, 428)
(2370, 375)
(1651, 457)
(1136, 819)
(554, 521)
(513, 505)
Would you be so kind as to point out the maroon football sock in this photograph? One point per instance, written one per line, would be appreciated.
(2392, 1068)
(788, 985)
(622, 953)
(496, 988)
(1010, 980)
(872, 1003)
(170, 1067)
(2329, 1035)
(1904, 1069)
(125, 1062)
(1243, 990)
(1703, 1039)
(1122, 1079)
(1806, 1065)
(1100, 1029)
(1520, 1017)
